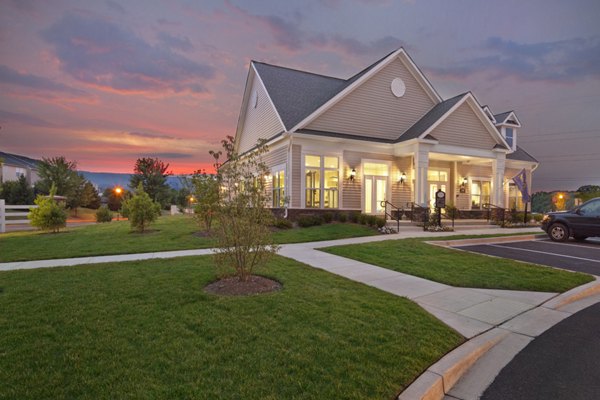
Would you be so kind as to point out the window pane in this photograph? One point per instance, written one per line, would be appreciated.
(433, 175)
(376, 169)
(330, 198)
(475, 187)
(331, 162)
(313, 178)
(313, 161)
(331, 179)
(443, 176)
(313, 197)
(486, 188)
(368, 195)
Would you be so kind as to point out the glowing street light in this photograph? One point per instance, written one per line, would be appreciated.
(118, 192)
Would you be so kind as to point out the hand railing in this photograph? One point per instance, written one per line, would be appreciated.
(495, 213)
(385, 204)
(416, 211)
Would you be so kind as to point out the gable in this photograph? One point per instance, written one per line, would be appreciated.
(373, 110)
(464, 128)
(260, 120)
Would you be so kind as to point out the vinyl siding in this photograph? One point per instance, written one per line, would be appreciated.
(372, 110)
(275, 157)
(463, 128)
(260, 122)
(296, 175)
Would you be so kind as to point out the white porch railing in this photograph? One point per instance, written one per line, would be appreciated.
(4, 214)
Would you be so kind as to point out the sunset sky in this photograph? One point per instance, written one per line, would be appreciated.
(106, 82)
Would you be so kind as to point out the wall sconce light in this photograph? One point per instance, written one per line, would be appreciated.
(464, 182)
(352, 175)
(402, 178)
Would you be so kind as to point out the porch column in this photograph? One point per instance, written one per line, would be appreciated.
(498, 164)
(421, 166)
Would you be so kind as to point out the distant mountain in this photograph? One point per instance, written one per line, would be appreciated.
(105, 180)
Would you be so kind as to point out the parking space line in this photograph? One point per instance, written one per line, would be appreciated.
(543, 252)
(570, 244)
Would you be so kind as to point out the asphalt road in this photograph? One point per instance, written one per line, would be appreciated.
(561, 364)
(574, 256)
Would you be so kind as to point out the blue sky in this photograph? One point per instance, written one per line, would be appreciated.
(105, 82)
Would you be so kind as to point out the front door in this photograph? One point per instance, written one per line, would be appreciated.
(375, 193)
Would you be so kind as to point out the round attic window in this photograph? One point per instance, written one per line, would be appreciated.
(254, 99)
(398, 87)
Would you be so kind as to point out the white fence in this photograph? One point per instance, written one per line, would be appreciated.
(4, 214)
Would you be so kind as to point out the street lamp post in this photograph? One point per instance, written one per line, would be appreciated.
(118, 192)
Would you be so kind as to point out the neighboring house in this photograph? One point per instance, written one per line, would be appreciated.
(383, 134)
(13, 166)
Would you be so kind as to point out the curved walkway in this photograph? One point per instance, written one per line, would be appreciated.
(499, 323)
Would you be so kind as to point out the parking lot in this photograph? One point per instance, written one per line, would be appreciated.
(574, 256)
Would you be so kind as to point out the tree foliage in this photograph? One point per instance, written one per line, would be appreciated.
(62, 174)
(17, 192)
(103, 214)
(588, 192)
(114, 200)
(89, 196)
(243, 233)
(140, 209)
(152, 174)
(49, 215)
(205, 188)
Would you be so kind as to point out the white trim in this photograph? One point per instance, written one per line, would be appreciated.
(512, 113)
(487, 110)
(419, 77)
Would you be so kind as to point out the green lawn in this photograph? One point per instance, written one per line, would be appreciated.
(146, 329)
(458, 268)
(168, 233)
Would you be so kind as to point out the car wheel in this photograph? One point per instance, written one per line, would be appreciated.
(579, 238)
(558, 232)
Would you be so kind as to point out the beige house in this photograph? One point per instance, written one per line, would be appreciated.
(384, 134)
(12, 166)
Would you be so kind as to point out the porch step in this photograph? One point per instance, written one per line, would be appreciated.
(459, 223)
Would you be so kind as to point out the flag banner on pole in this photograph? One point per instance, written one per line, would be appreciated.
(521, 181)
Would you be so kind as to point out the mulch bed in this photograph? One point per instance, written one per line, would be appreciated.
(234, 287)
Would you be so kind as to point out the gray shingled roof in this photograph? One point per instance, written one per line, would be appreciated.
(18, 161)
(297, 94)
(521, 155)
(502, 116)
(430, 118)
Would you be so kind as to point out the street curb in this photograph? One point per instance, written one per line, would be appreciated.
(489, 240)
(439, 378)
(573, 295)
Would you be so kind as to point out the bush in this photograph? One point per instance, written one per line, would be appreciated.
(363, 219)
(283, 223)
(380, 222)
(327, 217)
(141, 210)
(103, 214)
(371, 220)
(49, 216)
(343, 218)
(354, 217)
(305, 221)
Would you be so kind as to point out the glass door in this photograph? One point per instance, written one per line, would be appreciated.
(375, 193)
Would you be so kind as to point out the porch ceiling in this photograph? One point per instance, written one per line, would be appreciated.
(461, 158)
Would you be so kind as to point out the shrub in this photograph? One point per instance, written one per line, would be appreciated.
(380, 222)
(103, 214)
(363, 219)
(141, 210)
(283, 223)
(305, 221)
(354, 217)
(371, 220)
(343, 218)
(49, 216)
(327, 217)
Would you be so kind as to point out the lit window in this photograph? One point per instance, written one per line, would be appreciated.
(437, 175)
(279, 189)
(321, 180)
(480, 193)
(515, 200)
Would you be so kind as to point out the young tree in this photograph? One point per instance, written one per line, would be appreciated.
(60, 172)
(49, 215)
(114, 199)
(206, 193)
(140, 209)
(89, 196)
(17, 192)
(243, 234)
(152, 174)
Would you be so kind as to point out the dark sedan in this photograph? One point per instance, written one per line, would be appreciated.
(581, 222)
